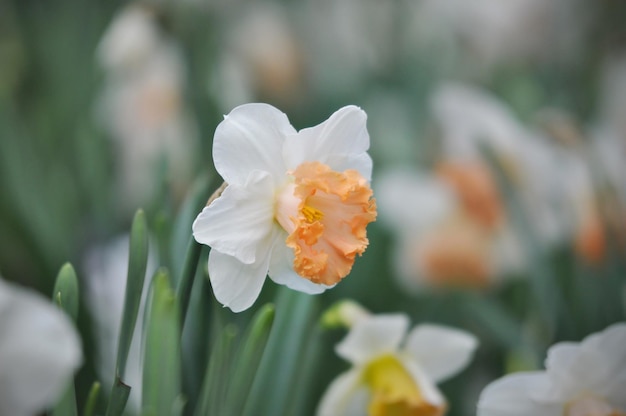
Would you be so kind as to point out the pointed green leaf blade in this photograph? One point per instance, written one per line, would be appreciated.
(161, 394)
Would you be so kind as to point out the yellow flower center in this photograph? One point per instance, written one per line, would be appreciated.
(395, 392)
(312, 214)
(325, 213)
(589, 405)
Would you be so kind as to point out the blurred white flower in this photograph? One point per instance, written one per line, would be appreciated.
(394, 372)
(40, 351)
(553, 182)
(142, 107)
(296, 205)
(450, 227)
(131, 38)
(106, 268)
(485, 33)
(581, 379)
(262, 59)
(469, 117)
(346, 42)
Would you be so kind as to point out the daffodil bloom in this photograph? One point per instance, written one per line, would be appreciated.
(451, 229)
(581, 379)
(296, 206)
(395, 373)
(39, 351)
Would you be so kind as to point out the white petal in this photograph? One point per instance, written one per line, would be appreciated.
(345, 396)
(341, 138)
(597, 364)
(440, 351)
(425, 383)
(470, 116)
(39, 352)
(237, 285)
(251, 138)
(361, 162)
(239, 219)
(281, 270)
(611, 346)
(511, 396)
(373, 336)
(563, 362)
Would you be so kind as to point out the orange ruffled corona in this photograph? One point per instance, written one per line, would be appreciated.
(325, 213)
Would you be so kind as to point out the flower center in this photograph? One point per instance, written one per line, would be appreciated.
(395, 392)
(591, 406)
(325, 214)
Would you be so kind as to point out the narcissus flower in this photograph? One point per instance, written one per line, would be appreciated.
(581, 379)
(394, 373)
(451, 228)
(296, 206)
(39, 351)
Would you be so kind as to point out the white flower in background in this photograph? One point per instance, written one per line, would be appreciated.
(394, 372)
(486, 33)
(142, 106)
(297, 202)
(106, 268)
(131, 38)
(581, 379)
(551, 180)
(262, 59)
(450, 227)
(347, 42)
(40, 351)
(469, 116)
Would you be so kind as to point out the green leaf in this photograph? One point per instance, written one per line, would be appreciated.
(188, 274)
(137, 263)
(194, 202)
(281, 361)
(161, 394)
(248, 358)
(65, 293)
(92, 398)
(197, 327)
(118, 399)
(301, 400)
(67, 404)
(217, 374)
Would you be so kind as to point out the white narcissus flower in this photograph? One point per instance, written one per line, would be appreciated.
(142, 106)
(551, 180)
(450, 226)
(262, 57)
(395, 372)
(581, 379)
(39, 351)
(296, 206)
(130, 38)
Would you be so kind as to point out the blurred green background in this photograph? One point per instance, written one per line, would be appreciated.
(97, 120)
